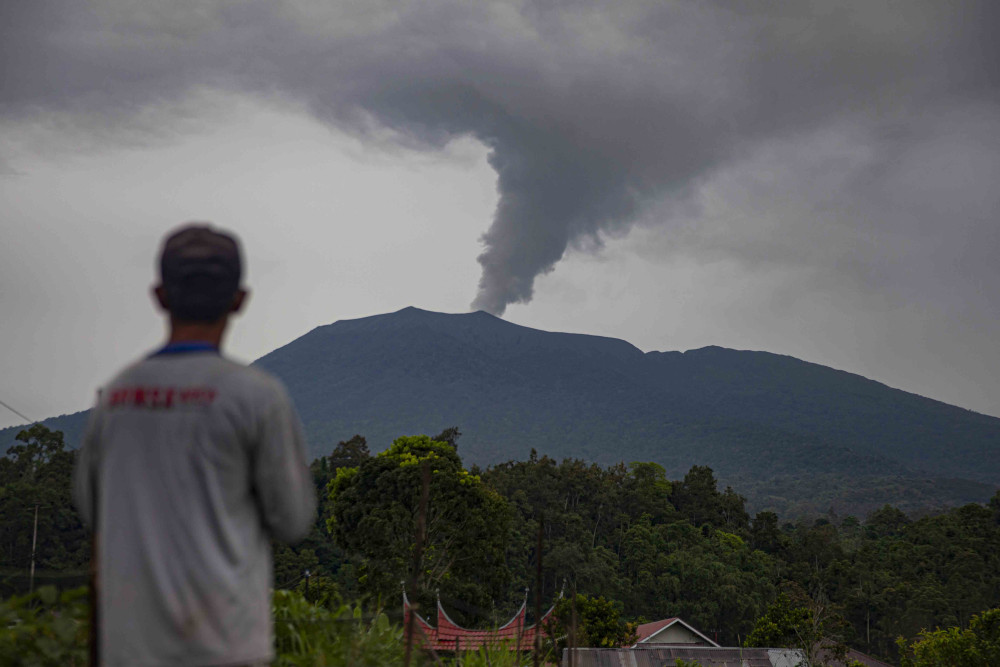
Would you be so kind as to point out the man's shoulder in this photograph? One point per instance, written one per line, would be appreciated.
(214, 372)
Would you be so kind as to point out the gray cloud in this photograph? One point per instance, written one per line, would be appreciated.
(819, 126)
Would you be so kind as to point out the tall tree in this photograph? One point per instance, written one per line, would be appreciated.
(591, 621)
(794, 620)
(35, 480)
(977, 645)
(697, 497)
(374, 515)
(449, 436)
(349, 453)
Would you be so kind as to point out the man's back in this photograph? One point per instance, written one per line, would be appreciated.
(194, 462)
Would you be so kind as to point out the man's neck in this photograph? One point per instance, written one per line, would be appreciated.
(197, 332)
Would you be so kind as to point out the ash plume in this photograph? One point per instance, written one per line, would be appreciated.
(598, 115)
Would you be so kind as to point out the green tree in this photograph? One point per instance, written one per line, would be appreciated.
(764, 533)
(349, 453)
(886, 521)
(697, 497)
(591, 621)
(317, 554)
(714, 581)
(652, 490)
(35, 477)
(582, 509)
(795, 621)
(374, 515)
(449, 436)
(977, 645)
(782, 625)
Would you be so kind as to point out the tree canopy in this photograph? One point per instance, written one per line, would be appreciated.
(35, 479)
(979, 644)
(374, 511)
(650, 546)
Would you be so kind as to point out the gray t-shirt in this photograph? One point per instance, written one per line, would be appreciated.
(194, 461)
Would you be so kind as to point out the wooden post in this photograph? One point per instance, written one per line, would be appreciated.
(572, 630)
(520, 629)
(93, 595)
(538, 593)
(425, 484)
(34, 541)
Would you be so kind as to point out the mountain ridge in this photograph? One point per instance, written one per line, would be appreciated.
(751, 415)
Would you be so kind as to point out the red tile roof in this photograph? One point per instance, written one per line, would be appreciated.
(449, 636)
(649, 629)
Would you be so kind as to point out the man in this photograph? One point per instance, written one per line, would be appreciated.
(190, 464)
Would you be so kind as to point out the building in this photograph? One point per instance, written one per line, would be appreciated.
(672, 632)
(662, 643)
(449, 636)
(651, 655)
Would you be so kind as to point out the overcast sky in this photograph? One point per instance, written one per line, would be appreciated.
(817, 179)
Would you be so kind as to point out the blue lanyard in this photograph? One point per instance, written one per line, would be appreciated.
(185, 347)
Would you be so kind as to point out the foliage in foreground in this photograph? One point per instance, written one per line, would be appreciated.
(49, 629)
(500, 655)
(979, 644)
(308, 635)
(45, 629)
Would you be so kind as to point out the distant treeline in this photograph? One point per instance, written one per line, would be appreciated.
(657, 547)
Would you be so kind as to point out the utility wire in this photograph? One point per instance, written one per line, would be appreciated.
(27, 419)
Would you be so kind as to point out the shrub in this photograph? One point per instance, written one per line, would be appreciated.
(307, 635)
(45, 629)
(49, 629)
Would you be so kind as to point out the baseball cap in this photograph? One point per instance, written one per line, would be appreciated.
(200, 268)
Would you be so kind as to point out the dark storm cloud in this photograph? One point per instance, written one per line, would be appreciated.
(595, 113)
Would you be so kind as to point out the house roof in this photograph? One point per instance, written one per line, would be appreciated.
(449, 636)
(854, 655)
(647, 631)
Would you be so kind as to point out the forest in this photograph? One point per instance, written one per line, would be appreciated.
(625, 535)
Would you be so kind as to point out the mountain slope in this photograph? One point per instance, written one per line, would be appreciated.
(511, 388)
(753, 416)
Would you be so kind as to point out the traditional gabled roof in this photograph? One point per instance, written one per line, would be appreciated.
(421, 625)
(648, 631)
(520, 615)
(445, 624)
(449, 636)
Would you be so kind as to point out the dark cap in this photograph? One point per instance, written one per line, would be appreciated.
(201, 270)
(197, 249)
